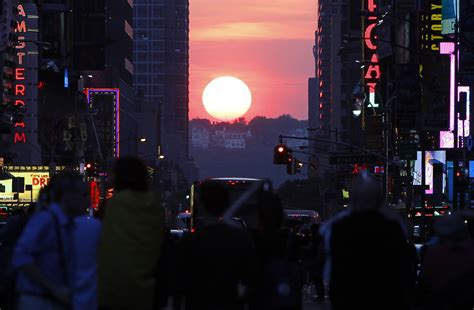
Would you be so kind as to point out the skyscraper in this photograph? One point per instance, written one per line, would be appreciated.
(161, 59)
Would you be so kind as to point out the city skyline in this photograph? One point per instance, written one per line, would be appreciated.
(256, 43)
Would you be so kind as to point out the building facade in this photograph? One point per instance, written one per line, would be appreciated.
(161, 76)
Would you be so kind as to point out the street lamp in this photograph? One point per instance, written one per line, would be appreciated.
(142, 139)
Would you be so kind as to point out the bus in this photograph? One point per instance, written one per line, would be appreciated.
(244, 196)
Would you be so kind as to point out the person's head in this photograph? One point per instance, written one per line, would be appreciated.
(214, 198)
(44, 199)
(69, 191)
(366, 193)
(130, 173)
(270, 212)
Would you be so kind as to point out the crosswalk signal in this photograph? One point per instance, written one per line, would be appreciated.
(281, 154)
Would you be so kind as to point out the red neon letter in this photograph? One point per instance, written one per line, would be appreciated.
(371, 70)
(20, 124)
(372, 87)
(21, 44)
(20, 26)
(368, 37)
(20, 57)
(19, 137)
(21, 10)
(20, 73)
(374, 59)
(371, 6)
(20, 89)
(19, 103)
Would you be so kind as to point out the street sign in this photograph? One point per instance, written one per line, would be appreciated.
(351, 158)
(408, 151)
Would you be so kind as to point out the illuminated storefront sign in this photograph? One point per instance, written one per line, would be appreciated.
(36, 176)
(372, 71)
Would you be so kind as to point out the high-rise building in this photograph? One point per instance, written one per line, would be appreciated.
(161, 59)
(337, 74)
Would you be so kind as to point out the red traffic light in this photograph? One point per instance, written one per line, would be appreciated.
(280, 154)
(88, 166)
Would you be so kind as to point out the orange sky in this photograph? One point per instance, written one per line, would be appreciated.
(268, 45)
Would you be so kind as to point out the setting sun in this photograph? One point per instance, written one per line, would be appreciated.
(227, 98)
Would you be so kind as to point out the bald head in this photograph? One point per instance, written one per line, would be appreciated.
(366, 193)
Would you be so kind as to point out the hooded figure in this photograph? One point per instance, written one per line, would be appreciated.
(368, 262)
(131, 240)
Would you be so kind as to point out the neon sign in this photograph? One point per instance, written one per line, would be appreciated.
(372, 71)
(20, 87)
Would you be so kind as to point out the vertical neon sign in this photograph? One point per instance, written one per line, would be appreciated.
(19, 135)
(372, 69)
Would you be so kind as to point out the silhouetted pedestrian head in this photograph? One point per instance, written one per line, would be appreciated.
(270, 212)
(69, 191)
(213, 197)
(44, 199)
(366, 193)
(130, 173)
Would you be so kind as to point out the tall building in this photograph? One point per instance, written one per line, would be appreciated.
(161, 71)
(92, 54)
(337, 75)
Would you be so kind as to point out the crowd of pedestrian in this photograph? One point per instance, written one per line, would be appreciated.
(56, 256)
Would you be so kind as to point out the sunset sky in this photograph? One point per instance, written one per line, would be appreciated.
(267, 43)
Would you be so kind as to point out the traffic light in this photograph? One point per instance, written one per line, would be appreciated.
(90, 169)
(293, 165)
(281, 154)
(461, 180)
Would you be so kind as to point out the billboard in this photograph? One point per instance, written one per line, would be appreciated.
(450, 12)
(36, 176)
(431, 158)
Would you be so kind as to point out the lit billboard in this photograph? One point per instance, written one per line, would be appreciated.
(36, 176)
(431, 158)
(450, 13)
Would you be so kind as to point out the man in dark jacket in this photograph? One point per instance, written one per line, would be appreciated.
(368, 263)
(219, 259)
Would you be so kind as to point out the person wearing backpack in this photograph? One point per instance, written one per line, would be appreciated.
(280, 281)
(45, 255)
(8, 239)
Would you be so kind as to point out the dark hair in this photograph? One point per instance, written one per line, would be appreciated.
(214, 197)
(62, 183)
(130, 173)
(270, 211)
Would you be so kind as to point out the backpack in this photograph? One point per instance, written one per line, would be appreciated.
(283, 282)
